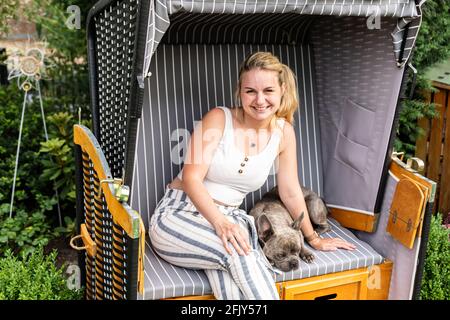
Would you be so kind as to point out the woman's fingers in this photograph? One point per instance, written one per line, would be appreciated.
(237, 246)
(239, 242)
(244, 241)
(225, 244)
(332, 244)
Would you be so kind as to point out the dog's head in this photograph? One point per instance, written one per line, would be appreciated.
(281, 245)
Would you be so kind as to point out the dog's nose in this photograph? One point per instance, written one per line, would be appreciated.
(293, 264)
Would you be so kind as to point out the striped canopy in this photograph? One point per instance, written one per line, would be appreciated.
(269, 21)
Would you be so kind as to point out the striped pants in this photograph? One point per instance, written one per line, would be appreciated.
(182, 236)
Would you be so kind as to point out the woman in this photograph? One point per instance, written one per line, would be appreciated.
(197, 224)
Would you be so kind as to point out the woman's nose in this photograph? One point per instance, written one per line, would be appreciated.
(260, 98)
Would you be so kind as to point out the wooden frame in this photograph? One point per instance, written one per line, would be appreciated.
(355, 220)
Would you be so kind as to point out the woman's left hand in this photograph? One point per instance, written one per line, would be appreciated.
(331, 244)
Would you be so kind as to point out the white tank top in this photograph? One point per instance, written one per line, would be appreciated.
(232, 174)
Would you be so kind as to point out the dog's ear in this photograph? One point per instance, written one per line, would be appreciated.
(298, 222)
(264, 227)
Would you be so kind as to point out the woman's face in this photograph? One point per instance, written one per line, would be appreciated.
(260, 93)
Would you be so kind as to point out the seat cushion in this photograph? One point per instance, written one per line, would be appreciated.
(163, 280)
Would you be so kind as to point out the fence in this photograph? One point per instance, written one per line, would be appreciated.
(434, 147)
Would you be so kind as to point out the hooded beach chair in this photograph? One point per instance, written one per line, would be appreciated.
(157, 66)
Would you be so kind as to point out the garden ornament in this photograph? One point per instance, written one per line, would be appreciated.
(29, 68)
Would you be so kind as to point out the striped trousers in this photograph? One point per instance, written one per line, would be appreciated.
(182, 236)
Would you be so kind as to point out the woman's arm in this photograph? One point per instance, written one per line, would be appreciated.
(292, 196)
(202, 145)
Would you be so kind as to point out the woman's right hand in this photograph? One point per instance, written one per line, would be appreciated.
(233, 233)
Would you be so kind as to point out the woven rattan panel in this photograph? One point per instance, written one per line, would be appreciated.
(115, 34)
(106, 275)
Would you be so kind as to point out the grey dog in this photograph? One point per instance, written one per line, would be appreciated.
(280, 236)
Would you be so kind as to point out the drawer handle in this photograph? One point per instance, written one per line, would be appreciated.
(327, 297)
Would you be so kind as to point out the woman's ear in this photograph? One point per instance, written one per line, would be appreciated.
(283, 89)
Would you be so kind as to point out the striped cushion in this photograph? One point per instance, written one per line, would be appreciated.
(163, 280)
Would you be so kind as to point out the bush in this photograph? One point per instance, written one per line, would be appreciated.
(24, 232)
(34, 277)
(436, 276)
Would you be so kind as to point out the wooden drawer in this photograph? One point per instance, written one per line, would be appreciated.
(347, 285)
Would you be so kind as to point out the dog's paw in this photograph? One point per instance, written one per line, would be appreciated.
(307, 256)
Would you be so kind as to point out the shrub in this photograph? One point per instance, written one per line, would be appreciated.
(436, 276)
(23, 232)
(34, 277)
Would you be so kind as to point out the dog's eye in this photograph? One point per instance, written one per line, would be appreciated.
(282, 255)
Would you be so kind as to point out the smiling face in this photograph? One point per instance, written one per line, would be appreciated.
(260, 93)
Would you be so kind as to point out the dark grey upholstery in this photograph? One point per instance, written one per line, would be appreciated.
(356, 99)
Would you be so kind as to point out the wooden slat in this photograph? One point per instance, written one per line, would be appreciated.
(406, 211)
(120, 214)
(398, 169)
(379, 281)
(444, 194)
(355, 220)
(347, 285)
(440, 85)
(434, 156)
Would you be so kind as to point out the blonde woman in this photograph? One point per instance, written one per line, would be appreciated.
(198, 223)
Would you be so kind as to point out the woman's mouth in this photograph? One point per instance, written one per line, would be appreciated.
(262, 109)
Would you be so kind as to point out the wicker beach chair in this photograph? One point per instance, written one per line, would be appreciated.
(157, 66)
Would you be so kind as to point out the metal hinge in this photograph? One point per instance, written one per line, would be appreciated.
(121, 191)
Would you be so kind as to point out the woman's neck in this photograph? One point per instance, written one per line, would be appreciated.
(250, 123)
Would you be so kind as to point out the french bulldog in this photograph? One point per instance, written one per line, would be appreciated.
(280, 236)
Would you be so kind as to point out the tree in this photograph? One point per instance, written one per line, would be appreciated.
(432, 46)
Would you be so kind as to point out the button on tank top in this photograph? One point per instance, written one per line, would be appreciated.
(232, 174)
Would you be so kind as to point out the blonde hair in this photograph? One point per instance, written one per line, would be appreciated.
(267, 61)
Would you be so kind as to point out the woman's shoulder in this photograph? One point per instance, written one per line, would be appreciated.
(214, 118)
(288, 135)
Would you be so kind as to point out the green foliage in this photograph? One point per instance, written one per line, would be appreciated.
(409, 130)
(42, 165)
(32, 194)
(34, 277)
(8, 10)
(436, 276)
(23, 232)
(68, 82)
(59, 164)
(432, 46)
(68, 229)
